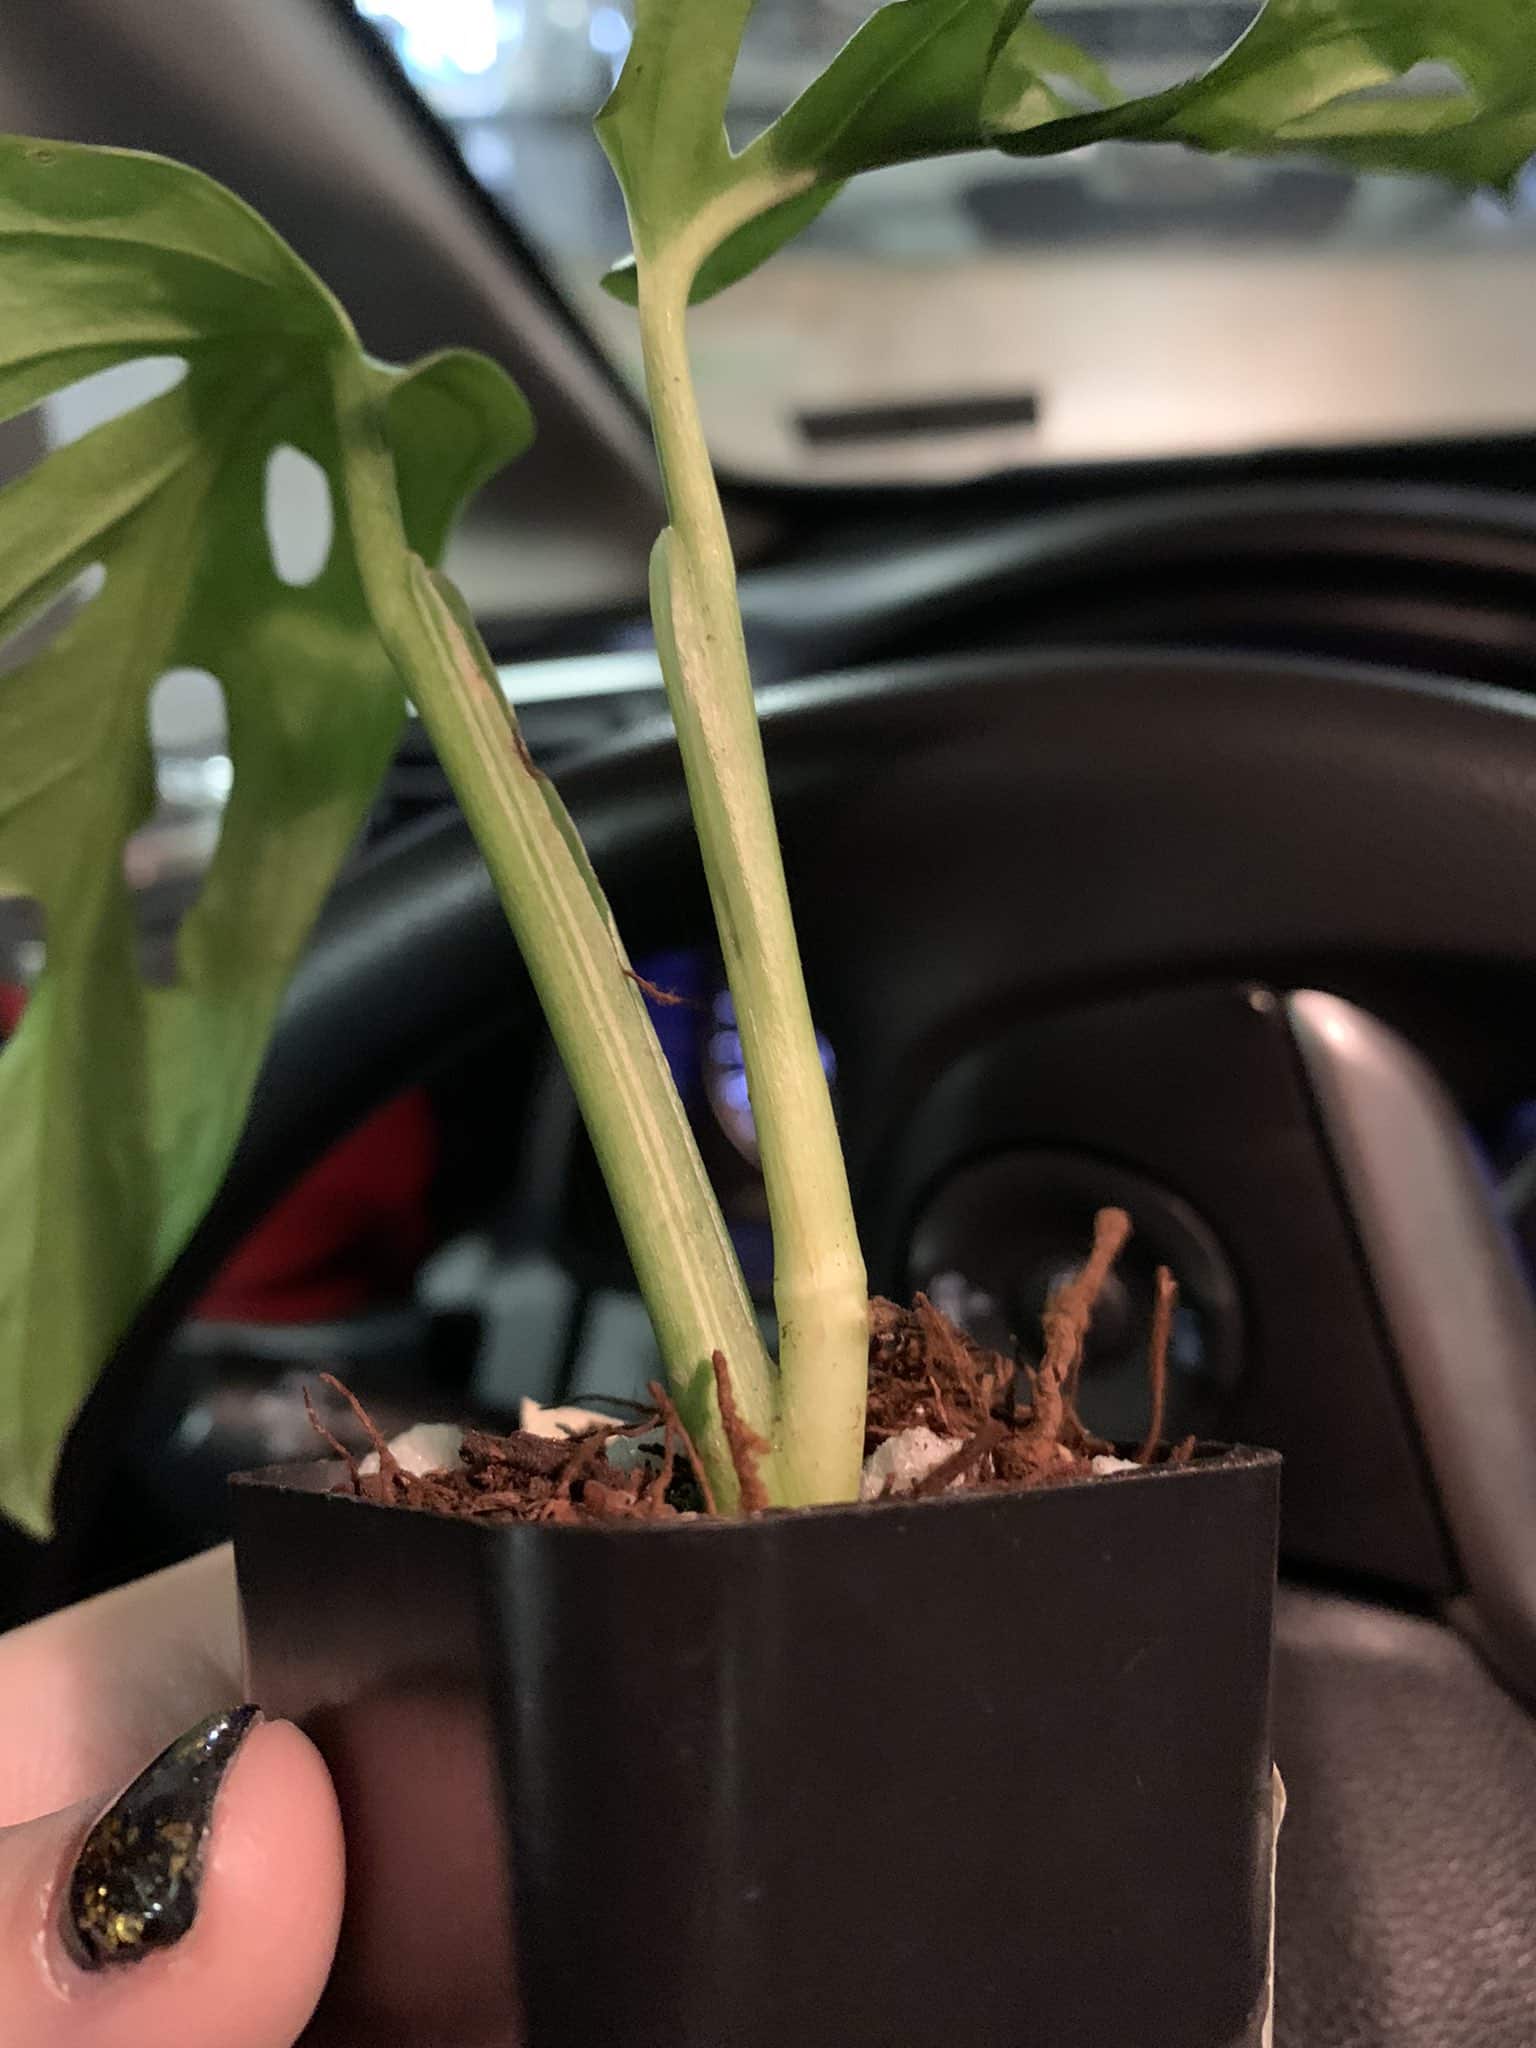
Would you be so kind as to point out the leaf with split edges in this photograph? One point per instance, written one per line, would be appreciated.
(925, 78)
(120, 1103)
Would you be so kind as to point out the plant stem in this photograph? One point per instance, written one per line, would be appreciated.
(682, 1253)
(820, 1289)
(684, 1260)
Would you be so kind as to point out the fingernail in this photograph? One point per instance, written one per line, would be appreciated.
(134, 1887)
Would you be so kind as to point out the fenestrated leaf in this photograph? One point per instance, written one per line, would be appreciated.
(926, 78)
(1312, 75)
(120, 1103)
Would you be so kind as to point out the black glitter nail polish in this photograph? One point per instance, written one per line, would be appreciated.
(134, 1886)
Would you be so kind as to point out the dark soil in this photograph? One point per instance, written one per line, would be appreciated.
(1013, 1425)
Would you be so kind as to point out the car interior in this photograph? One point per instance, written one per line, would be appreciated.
(1139, 569)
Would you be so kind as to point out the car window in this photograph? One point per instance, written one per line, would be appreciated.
(947, 318)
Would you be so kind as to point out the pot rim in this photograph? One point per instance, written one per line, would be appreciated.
(316, 1478)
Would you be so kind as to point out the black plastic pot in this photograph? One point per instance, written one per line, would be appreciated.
(973, 1771)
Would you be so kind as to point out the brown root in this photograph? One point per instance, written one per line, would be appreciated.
(746, 1446)
(664, 996)
(1157, 1359)
(925, 1372)
(391, 1477)
(963, 1461)
(334, 1443)
(1066, 1321)
(666, 1408)
(1004, 1424)
(1013, 1425)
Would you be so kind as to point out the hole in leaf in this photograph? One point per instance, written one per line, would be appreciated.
(1073, 91)
(92, 401)
(40, 628)
(167, 859)
(299, 515)
(187, 715)
(781, 52)
(23, 443)
(23, 924)
(1430, 78)
(73, 410)
(1436, 87)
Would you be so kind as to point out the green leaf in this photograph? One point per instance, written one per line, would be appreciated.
(738, 253)
(120, 1103)
(927, 78)
(1030, 70)
(451, 422)
(909, 84)
(1313, 76)
(663, 126)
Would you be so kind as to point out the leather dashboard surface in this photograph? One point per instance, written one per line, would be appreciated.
(1407, 1870)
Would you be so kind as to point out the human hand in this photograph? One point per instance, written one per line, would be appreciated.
(222, 1870)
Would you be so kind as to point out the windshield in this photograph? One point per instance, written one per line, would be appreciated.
(982, 312)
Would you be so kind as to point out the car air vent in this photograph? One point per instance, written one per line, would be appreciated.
(916, 419)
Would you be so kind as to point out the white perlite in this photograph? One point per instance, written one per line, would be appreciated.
(902, 1460)
(559, 1423)
(912, 1454)
(434, 1446)
(424, 1447)
(556, 1423)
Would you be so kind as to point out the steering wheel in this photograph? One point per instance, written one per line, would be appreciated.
(1097, 920)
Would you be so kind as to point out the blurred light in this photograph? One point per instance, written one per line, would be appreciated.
(733, 1089)
(490, 156)
(828, 1056)
(608, 32)
(963, 1301)
(726, 1079)
(194, 1429)
(194, 782)
(1187, 1349)
(441, 37)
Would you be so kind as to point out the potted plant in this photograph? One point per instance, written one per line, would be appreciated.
(692, 1748)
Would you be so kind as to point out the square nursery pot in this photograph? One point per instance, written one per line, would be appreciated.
(984, 1770)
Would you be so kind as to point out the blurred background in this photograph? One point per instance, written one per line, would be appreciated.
(1170, 305)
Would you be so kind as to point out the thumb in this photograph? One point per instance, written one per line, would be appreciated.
(201, 1905)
